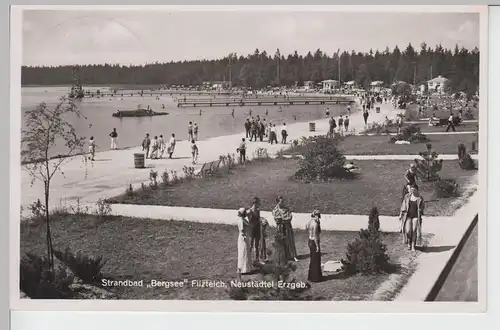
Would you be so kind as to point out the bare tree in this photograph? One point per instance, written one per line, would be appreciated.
(46, 127)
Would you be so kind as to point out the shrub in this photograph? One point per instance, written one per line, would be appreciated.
(322, 161)
(173, 175)
(367, 254)
(461, 150)
(411, 134)
(295, 143)
(102, 208)
(188, 172)
(377, 128)
(38, 281)
(429, 167)
(85, 268)
(129, 192)
(446, 188)
(467, 163)
(468, 115)
(280, 153)
(79, 211)
(260, 153)
(37, 211)
(165, 178)
(153, 179)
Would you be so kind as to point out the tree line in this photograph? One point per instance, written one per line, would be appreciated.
(260, 69)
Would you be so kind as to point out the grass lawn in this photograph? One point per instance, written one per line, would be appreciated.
(173, 250)
(424, 127)
(379, 145)
(380, 184)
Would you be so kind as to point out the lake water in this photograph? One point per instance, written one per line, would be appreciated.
(214, 121)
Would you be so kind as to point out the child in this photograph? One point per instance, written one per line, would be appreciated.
(263, 234)
(194, 151)
(92, 148)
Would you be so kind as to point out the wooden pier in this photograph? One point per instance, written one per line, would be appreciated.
(264, 102)
(159, 93)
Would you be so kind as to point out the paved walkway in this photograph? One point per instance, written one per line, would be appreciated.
(426, 133)
(114, 170)
(340, 222)
(432, 260)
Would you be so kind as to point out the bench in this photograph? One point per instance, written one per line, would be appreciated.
(208, 168)
(205, 169)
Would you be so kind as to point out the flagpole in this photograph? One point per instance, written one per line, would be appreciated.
(338, 55)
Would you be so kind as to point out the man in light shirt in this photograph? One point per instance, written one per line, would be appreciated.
(450, 123)
(284, 133)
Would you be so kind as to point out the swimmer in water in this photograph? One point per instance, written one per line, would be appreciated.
(232, 113)
(267, 112)
(90, 125)
(250, 112)
(200, 112)
(163, 106)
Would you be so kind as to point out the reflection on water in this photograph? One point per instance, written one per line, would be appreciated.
(214, 121)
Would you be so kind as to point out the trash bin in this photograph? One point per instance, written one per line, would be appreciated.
(377, 109)
(312, 127)
(139, 160)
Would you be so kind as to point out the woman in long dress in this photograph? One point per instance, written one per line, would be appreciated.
(283, 217)
(244, 249)
(314, 230)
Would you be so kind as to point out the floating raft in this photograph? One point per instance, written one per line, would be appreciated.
(138, 113)
(264, 102)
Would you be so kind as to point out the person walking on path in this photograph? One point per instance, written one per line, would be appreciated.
(283, 217)
(341, 124)
(195, 131)
(248, 126)
(274, 134)
(92, 146)
(194, 151)
(171, 146)
(327, 112)
(244, 265)
(365, 116)
(450, 123)
(113, 136)
(349, 110)
(146, 143)
(313, 227)
(284, 133)
(346, 124)
(242, 149)
(190, 131)
(253, 130)
(161, 146)
(412, 210)
(262, 130)
(269, 129)
(333, 126)
(154, 148)
(253, 214)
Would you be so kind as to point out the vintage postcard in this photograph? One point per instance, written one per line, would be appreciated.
(227, 158)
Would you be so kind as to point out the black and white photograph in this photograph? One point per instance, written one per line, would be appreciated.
(248, 154)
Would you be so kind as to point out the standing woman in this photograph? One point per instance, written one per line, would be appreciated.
(283, 217)
(244, 252)
(412, 210)
(314, 229)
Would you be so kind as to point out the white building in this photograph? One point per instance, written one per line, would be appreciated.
(308, 85)
(376, 86)
(330, 84)
(350, 84)
(438, 84)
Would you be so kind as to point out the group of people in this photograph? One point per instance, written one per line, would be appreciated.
(340, 126)
(255, 128)
(253, 232)
(156, 147)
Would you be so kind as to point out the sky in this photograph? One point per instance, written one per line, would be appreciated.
(66, 37)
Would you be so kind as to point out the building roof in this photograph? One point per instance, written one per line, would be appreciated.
(377, 82)
(330, 81)
(350, 82)
(438, 80)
